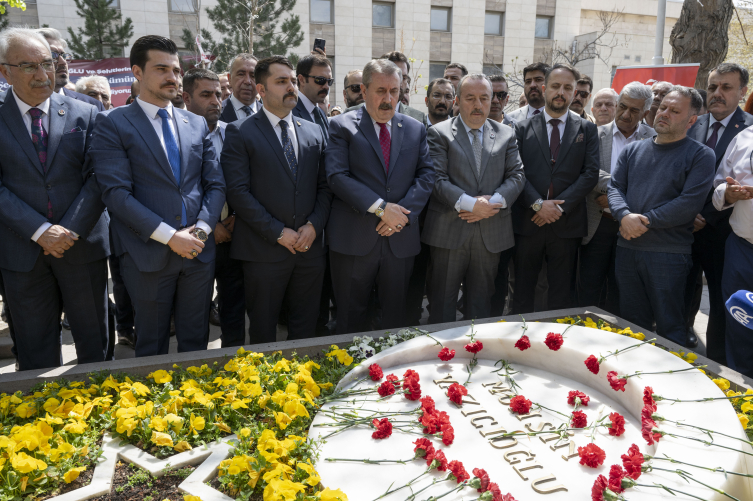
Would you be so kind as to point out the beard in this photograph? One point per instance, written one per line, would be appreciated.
(556, 106)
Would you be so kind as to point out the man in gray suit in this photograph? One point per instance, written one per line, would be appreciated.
(468, 225)
(598, 249)
(533, 80)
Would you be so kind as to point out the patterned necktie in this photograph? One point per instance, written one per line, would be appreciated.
(711, 142)
(554, 149)
(477, 148)
(39, 138)
(247, 110)
(173, 155)
(385, 142)
(320, 119)
(287, 147)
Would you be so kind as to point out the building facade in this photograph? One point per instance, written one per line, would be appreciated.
(484, 35)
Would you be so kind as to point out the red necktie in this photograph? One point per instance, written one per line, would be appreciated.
(554, 149)
(385, 142)
(39, 138)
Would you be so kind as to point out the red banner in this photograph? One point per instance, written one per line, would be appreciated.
(677, 74)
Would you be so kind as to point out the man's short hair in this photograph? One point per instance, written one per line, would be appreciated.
(397, 57)
(83, 82)
(636, 90)
(348, 75)
(53, 35)
(611, 92)
(540, 66)
(243, 56)
(307, 62)
(140, 50)
(438, 81)
(704, 96)
(473, 76)
(18, 36)
(562, 66)
(497, 78)
(381, 66)
(696, 101)
(459, 66)
(733, 68)
(586, 80)
(261, 73)
(194, 75)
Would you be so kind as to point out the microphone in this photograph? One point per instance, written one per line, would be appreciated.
(740, 306)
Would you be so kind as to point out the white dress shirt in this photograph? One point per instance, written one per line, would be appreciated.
(164, 231)
(378, 130)
(532, 110)
(467, 202)
(238, 107)
(275, 121)
(737, 164)
(619, 143)
(310, 106)
(712, 121)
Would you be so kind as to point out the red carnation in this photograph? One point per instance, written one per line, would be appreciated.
(474, 347)
(410, 374)
(593, 364)
(448, 433)
(423, 448)
(446, 354)
(392, 377)
(648, 397)
(647, 425)
(520, 404)
(456, 392)
(617, 383)
(580, 420)
(494, 489)
(584, 399)
(591, 455)
(600, 485)
(506, 497)
(617, 426)
(439, 461)
(523, 343)
(386, 388)
(484, 477)
(427, 404)
(412, 388)
(633, 461)
(616, 474)
(554, 341)
(457, 469)
(375, 372)
(383, 428)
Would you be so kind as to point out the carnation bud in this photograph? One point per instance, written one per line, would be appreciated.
(657, 398)
(610, 495)
(487, 496)
(646, 457)
(434, 464)
(627, 482)
(577, 402)
(420, 453)
(656, 417)
(657, 430)
(475, 483)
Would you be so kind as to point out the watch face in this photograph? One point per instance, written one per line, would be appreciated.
(201, 234)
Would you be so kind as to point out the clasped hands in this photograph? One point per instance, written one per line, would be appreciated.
(56, 240)
(394, 220)
(633, 226)
(736, 192)
(482, 209)
(183, 243)
(300, 240)
(548, 213)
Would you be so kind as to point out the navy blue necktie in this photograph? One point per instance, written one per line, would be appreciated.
(173, 156)
(287, 147)
(320, 119)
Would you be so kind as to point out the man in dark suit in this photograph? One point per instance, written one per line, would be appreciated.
(381, 181)
(53, 240)
(314, 79)
(274, 166)
(478, 177)
(727, 85)
(242, 102)
(560, 153)
(164, 189)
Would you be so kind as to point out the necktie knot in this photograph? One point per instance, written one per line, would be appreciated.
(247, 110)
(536, 112)
(714, 137)
(283, 125)
(555, 122)
(162, 113)
(716, 126)
(35, 113)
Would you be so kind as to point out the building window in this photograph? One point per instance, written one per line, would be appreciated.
(493, 24)
(490, 70)
(436, 70)
(321, 11)
(543, 27)
(115, 4)
(381, 15)
(185, 6)
(440, 19)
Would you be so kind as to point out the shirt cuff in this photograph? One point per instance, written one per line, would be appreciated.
(719, 200)
(498, 199)
(375, 206)
(560, 208)
(163, 233)
(465, 202)
(204, 226)
(39, 231)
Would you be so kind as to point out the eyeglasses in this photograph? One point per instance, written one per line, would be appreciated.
(353, 88)
(31, 68)
(65, 55)
(322, 80)
(501, 95)
(582, 93)
(447, 97)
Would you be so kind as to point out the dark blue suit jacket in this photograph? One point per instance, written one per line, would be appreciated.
(228, 114)
(84, 99)
(139, 188)
(358, 177)
(738, 123)
(301, 112)
(68, 182)
(263, 192)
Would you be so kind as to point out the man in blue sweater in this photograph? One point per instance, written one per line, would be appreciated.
(658, 186)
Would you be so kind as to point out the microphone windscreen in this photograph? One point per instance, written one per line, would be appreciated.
(740, 306)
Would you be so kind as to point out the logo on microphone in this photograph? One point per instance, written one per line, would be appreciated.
(749, 296)
(739, 313)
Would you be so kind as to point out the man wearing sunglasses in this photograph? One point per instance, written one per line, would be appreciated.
(314, 73)
(583, 90)
(352, 88)
(500, 96)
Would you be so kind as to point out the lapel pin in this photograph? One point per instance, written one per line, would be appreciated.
(737, 126)
(185, 120)
(298, 122)
(61, 112)
(491, 136)
(399, 125)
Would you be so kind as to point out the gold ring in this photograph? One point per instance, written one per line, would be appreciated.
(389, 229)
(194, 253)
(399, 226)
(307, 247)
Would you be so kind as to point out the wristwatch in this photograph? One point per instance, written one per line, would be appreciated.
(537, 205)
(379, 212)
(200, 234)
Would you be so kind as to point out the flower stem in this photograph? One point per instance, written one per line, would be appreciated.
(622, 350)
(403, 487)
(552, 410)
(688, 476)
(641, 373)
(454, 489)
(659, 398)
(678, 423)
(370, 461)
(704, 442)
(434, 482)
(718, 469)
(670, 490)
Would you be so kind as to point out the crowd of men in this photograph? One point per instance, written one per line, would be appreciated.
(344, 222)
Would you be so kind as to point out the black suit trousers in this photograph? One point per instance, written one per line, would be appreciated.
(231, 296)
(295, 281)
(36, 299)
(597, 277)
(561, 255)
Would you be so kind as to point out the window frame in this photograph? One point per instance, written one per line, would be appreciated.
(551, 28)
(436, 63)
(391, 6)
(191, 2)
(331, 12)
(501, 15)
(449, 19)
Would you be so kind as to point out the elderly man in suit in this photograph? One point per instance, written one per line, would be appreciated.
(242, 102)
(599, 248)
(379, 168)
(727, 85)
(560, 153)
(274, 167)
(53, 241)
(479, 176)
(164, 189)
(533, 80)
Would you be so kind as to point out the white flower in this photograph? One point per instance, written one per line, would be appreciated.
(367, 339)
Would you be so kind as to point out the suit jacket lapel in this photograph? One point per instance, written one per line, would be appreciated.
(367, 128)
(700, 130)
(302, 138)
(539, 127)
(461, 135)
(185, 141)
(396, 140)
(733, 127)
(488, 147)
(572, 128)
(57, 126)
(266, 128)
(605, 147)
(143, 126)
(12, 118)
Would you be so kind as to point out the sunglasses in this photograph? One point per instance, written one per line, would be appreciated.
(582, 93)
(356, 88)
(65, 55)
(321, 80)
(502, 95)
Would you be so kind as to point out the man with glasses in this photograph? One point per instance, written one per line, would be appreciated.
(49, 199)
(314, 73)
(61, 56)
(352, 88)
(500, 96)
(583, 90)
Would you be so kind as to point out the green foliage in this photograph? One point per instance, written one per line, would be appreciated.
(18, 4)
(105, 34)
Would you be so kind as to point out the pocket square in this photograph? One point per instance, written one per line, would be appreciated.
(579, 139)
(77, 129)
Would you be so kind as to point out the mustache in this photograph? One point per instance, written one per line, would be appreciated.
(477, 111)
(718, 100)
(385, 106)
(323, 92)
(440, 107)
(289, 94)
(36, 83)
